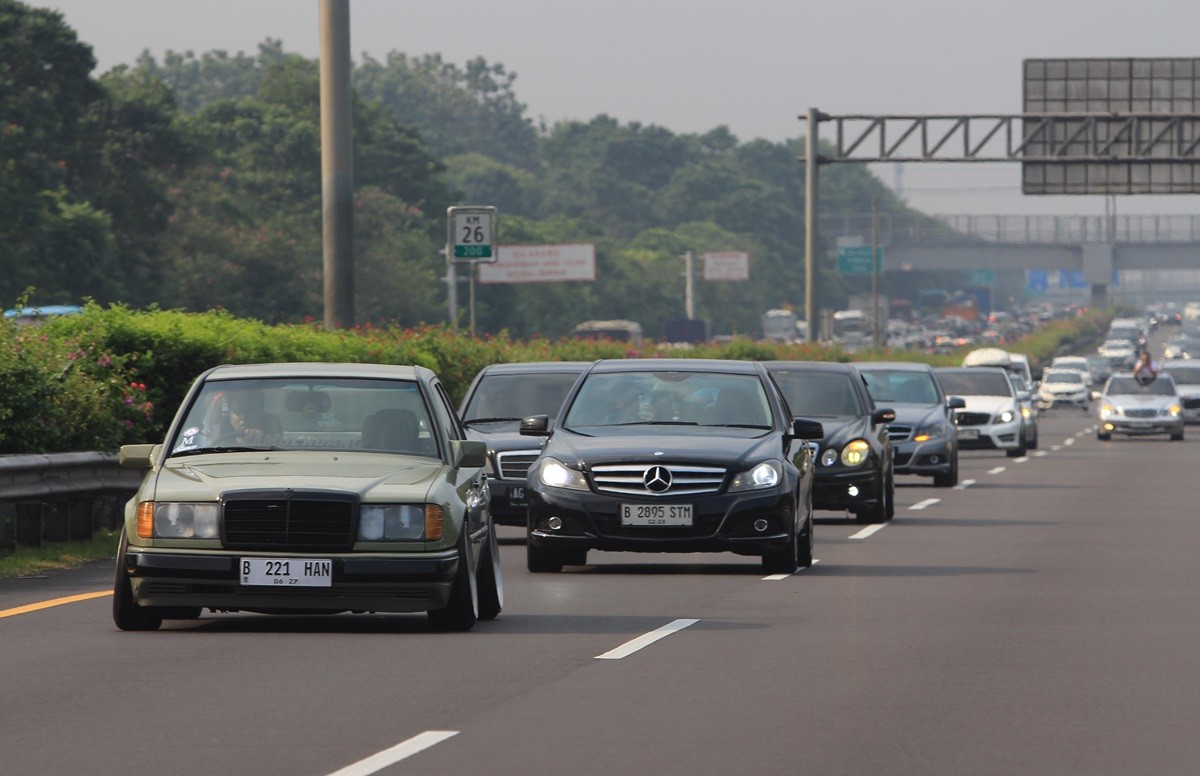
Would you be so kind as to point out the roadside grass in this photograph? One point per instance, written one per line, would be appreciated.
(32, 561)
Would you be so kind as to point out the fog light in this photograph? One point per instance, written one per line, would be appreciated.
(935, 459)
(1108, 427)
(555, 523)
(760, 525)
(853, 491)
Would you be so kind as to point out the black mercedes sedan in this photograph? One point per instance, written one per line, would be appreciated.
(854, 456)
(499, 396)
(672, 455)
(923, 435)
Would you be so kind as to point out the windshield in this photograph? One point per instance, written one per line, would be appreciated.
(1062, 378)
(516, 396)
(812, 392)
(1118, 344)
(284, 413)
(900, 387)
(1129, 386)
(670, 398)
(975, 383)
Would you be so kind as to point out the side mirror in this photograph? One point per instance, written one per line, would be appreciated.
(885, 415)
(807, 429)
(956, 402)
(468, 453)
(138, 456)
(535, 425)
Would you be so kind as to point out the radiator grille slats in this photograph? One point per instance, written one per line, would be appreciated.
(301, 523)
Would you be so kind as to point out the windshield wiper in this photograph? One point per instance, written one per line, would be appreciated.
(473, 421)
(737, 425)
(657, 423)
(225, 449)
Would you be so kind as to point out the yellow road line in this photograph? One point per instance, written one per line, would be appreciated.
(55, 602)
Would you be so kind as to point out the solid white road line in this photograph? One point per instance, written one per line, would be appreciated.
(645, 640)
(402, 750)
(780, 577)
(997, 470)
(864, 533)
(964, 484)
(926, 503)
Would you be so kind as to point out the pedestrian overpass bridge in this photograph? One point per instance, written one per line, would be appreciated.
(1097, 246)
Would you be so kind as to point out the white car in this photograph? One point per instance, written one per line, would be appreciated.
(992, 418)
(1064, 388)
(1133, 407)
(1078, 363)
(1186, 374)
(1119, 352)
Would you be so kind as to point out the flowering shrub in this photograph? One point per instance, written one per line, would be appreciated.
(111, 376)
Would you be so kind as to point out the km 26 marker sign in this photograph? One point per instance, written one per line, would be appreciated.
(472, 233)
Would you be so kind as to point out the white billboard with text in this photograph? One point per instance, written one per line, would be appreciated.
(541, 264)
(727, 265)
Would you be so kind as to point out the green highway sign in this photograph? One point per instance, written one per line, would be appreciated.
(856, 260)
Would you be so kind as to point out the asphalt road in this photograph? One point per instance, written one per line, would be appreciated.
(1041, 618)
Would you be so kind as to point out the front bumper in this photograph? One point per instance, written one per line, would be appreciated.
(359, 582)
(999, 436)
(935, 456)
(720, 522)
(847, 489)
(1142, 426)
(1050, 401)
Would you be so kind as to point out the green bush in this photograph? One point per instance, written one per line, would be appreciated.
(111, 376)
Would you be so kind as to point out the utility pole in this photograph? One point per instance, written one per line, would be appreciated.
(811, 167)
(689, 308)
(337, 165)
(875, 322)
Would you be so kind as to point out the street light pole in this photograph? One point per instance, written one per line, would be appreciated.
(810, 226)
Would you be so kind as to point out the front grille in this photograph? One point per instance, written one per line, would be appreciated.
(901, 459)
(630, 479)
(514, 464)
(1141, 413)
(899, 433)
(1191, 404)
(974, 418)
(289, 520)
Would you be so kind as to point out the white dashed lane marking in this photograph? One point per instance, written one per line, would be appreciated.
(926, 503)
(645, 640)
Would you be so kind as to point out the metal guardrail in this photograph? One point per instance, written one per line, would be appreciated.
(61, 496)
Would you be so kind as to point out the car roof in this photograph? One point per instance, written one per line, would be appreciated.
(970, 370)
(674, 365)
(815, 366)
(537, 367)
(317, 369)
(899, 366)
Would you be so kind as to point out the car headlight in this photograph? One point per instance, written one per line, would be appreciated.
(397, 522)
(829, 457)
(1006, 417)
(178, 520)
(766, 475)
(556, 474)
(1025, 412)
(489, 466)
(1107, 410)
(925, 433)
(855, 452)
(1174, 410)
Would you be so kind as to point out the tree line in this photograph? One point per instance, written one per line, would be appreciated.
(193, 183)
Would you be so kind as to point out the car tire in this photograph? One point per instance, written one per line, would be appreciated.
(542, 561)
(1103, 437)
(882, 509)
(1178, 437)
(490, 580)
(783, 561)
(1033, 443)
(463, 607)
(950, 478)
(127, 613)
(804, 558)
(1021, 449)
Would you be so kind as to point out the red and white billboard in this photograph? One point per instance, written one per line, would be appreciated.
(541, 264)
(727, 265)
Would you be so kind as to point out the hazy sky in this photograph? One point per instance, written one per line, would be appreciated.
(754, 65)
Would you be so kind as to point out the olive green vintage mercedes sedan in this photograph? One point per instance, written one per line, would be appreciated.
(310, 488)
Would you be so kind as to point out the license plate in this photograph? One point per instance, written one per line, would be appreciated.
(287, 572)
(516, 496)
(968, 433)
(656, 514)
